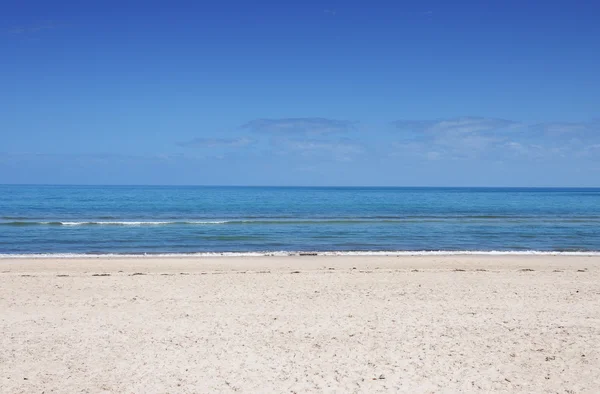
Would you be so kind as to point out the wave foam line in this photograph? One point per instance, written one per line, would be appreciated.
(142, 223)
(110, 223)
(285, 221)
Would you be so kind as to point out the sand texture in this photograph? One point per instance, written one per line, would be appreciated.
(423, 324)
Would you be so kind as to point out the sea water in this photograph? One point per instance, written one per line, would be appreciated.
(90, 220)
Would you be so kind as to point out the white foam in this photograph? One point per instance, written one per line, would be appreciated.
(134, 223)
(209, 222)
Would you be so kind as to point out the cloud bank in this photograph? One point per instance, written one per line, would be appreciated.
(494, 139)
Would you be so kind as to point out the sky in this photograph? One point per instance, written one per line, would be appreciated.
(314, 93)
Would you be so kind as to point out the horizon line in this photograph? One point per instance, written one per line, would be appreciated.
(301, 186)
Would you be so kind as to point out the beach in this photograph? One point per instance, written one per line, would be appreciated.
(419, 324)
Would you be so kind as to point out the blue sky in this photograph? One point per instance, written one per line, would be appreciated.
(421, 93)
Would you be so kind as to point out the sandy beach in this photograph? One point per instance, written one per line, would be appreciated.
(419, 324)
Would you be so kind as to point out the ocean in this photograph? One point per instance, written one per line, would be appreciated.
(133, 220)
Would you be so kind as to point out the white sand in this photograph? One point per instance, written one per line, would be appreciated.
(252, 325)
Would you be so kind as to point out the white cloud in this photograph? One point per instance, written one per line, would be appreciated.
(306, 126)
(460, 125)
(340, 150)
(433, 155)
(217, 142)
(493, 138)
(568, 130)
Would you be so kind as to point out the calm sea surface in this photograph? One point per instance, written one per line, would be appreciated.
(155, 219)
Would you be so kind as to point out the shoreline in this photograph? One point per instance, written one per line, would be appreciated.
(400, 253)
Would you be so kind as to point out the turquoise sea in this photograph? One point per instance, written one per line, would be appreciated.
(67, 220)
